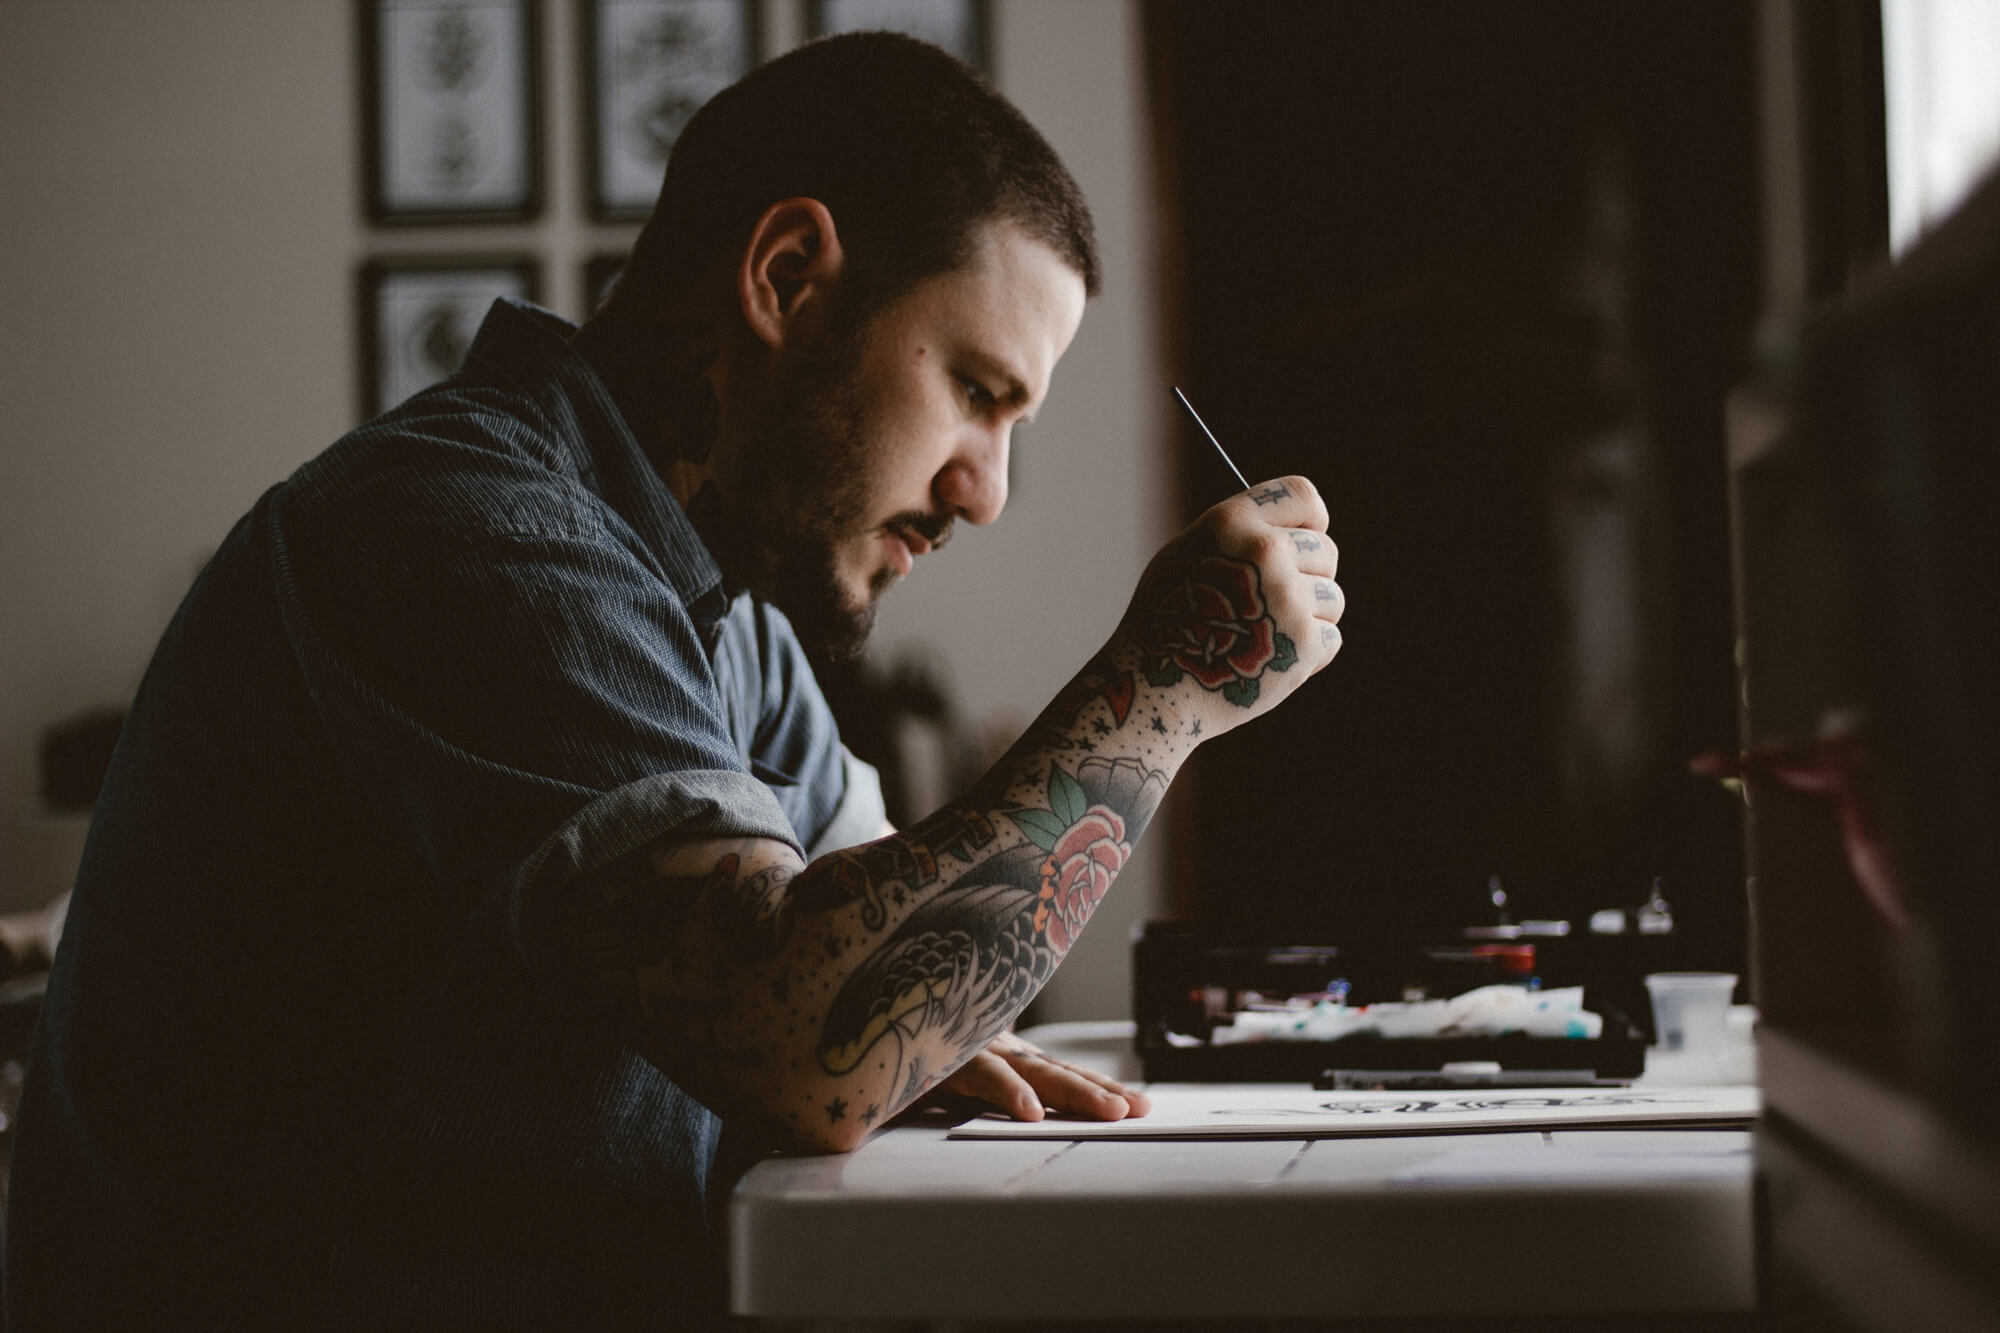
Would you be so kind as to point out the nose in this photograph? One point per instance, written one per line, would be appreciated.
(974, 482)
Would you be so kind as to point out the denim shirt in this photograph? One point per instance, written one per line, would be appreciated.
(306, 1058)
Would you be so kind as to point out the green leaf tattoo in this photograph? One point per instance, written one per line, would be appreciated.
(1043, 827)
(1284, 652)
(1066, 797)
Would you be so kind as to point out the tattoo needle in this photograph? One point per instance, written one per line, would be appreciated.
(1211, 436)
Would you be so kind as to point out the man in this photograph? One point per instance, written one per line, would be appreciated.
(479, 844)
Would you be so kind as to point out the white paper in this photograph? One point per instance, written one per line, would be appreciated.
(1292, 1112)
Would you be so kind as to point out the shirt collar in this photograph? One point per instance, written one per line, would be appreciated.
(529, 348)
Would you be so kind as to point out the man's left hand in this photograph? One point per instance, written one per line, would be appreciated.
(1020, 1079)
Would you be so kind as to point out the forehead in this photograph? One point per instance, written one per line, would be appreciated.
(1015, 301)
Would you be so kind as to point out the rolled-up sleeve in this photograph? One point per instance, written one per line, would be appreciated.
(525, 704)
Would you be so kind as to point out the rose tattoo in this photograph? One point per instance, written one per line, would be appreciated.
(1086, 846)
(1212, 624)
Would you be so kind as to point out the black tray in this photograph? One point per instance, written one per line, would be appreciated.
(1176, 967)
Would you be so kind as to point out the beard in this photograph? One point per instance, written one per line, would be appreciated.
(795, 491)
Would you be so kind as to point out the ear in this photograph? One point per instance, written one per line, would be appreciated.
(793, 256)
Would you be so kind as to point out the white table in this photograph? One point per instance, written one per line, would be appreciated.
(912, 1226)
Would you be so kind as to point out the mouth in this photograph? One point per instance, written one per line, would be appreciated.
(904, 548)
(909, 539)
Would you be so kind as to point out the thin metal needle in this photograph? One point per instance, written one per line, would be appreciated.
(1211, 437)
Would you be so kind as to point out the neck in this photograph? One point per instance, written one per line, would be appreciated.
(660, 377)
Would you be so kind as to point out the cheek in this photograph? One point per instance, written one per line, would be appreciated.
(904, 445)
(908, 413)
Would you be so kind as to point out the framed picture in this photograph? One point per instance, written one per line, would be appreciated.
(648, 67)
(961, 27)
(419, 316)
(451, 110)
(599, 272)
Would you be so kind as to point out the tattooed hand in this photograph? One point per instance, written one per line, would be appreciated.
(1239, 610)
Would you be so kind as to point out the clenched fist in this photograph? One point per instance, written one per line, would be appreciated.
(1242, 607)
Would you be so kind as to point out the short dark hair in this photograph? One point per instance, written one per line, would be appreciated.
(908, 147)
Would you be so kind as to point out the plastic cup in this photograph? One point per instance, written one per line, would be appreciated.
(1690, 1009)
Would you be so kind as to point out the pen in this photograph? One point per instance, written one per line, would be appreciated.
(1211, 436)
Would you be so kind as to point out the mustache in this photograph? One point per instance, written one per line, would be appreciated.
(933, 528)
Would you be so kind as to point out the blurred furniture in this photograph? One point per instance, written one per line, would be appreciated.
(1868, 538)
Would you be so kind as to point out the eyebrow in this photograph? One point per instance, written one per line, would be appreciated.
(1016, 392)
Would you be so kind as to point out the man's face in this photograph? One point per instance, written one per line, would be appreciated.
(868, 443)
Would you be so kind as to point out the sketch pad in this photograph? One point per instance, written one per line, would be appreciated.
(1290, 1112)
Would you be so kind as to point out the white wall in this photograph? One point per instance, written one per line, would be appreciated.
(176, 229)
(179, 231)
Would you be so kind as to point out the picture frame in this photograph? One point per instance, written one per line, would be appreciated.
(648, 65)
(451, 110)
(419, 314)
(962, 27)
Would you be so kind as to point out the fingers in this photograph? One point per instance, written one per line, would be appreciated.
(1328, 602)
(1280, 526)
(1313, 552)
(1274, 519)
(1013, 1076)
(1286, 502)
(992, 1080)
(1078, 1091)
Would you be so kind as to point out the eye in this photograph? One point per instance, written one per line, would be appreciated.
(977, 394)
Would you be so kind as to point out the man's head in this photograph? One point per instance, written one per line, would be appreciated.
(907, 146)
(845, 453)
(889, 260)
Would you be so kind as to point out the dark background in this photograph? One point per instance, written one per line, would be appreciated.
(1485, 272)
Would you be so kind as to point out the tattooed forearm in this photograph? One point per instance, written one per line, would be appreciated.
(960, 967)
(824, 998)
(636, 937)
(827, 998)
(1098, 681)
(896, 866)
(754, 918)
